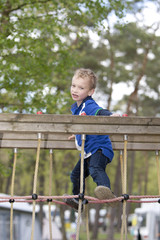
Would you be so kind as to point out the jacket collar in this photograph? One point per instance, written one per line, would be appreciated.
(75, 106)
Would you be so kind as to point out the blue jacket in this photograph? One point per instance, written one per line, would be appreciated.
(93, 142)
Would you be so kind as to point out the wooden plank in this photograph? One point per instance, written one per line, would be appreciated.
(78, 128)
(20, 130)
(137, 146)
(71, 145)
(64, 118)
(136, 138)
(33, 136)
(64, 137)
(33, 144)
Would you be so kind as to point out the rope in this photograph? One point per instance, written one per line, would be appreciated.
(87, 219)
(12, 192)
(81, 186)
(125, 165)
(121, 163)
(35, 184)
(124, 189)
(91, 199)
(50, 192)
(158, 170)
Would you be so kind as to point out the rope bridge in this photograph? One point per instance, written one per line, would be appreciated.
(52, 132)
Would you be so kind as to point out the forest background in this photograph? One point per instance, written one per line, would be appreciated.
(42, 43)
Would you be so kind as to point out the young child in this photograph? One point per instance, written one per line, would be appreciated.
(98, 150)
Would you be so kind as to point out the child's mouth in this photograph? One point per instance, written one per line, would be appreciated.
(74, 95)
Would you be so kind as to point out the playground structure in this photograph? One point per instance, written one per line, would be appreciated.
(52, 131)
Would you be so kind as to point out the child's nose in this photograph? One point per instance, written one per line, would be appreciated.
(75, 89)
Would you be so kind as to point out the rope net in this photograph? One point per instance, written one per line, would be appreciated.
(91, 200)
(35, 198)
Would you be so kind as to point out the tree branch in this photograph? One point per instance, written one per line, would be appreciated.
(8, 11)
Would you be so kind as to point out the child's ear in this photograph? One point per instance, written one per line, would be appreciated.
(91, 92)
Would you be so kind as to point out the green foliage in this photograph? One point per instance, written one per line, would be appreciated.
(37, 50)
(4, 171)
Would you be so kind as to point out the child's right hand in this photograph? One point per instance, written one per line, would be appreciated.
(71, 137)
(115, 115)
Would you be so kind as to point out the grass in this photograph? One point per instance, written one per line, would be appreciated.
(103, 236)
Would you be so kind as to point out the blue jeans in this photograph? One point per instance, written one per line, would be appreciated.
(95, 166)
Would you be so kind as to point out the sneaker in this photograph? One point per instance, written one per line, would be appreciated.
(73, 202)
(105, 193)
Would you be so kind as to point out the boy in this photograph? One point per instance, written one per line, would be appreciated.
(98, 148)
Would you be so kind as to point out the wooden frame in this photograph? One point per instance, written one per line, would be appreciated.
(21, 130)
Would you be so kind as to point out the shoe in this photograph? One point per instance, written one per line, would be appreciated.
(73, 202)
(105, 193)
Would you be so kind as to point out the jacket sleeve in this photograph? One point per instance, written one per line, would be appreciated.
(104, 112)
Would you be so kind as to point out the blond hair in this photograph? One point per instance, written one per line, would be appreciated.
(88, 74)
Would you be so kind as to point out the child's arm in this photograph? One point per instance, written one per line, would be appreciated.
(105, 112)
(71, 137)
(115, 115)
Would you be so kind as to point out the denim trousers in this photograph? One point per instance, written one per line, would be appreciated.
(94, 166)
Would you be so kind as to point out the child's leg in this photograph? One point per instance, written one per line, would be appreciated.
(75, 177)
(97, 166)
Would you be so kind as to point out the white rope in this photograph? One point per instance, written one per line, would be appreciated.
(50, 192)
(12, 192)
(124, 190)
(81, 186)
(35, 184)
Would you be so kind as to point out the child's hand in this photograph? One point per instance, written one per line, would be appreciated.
(71, 137)
(115, 115)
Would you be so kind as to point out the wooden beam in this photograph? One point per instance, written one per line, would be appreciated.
(21, 130)
(64, 137)
(71, 145)
(79, 128)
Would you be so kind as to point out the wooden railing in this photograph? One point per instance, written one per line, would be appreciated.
(21, 130)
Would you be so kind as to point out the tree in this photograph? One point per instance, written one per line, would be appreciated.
(129, 55)
(38, 52)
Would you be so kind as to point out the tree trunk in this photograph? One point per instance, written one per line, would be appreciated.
(8, 183)
(115, 212)
(41, 185)
(110, 231)
(57, 184)
(133, 98)
(146, 173)
(96, 223)
(111, 77)
(131, 178)
(63, 222)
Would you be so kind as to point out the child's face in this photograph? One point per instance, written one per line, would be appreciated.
(80, 89)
